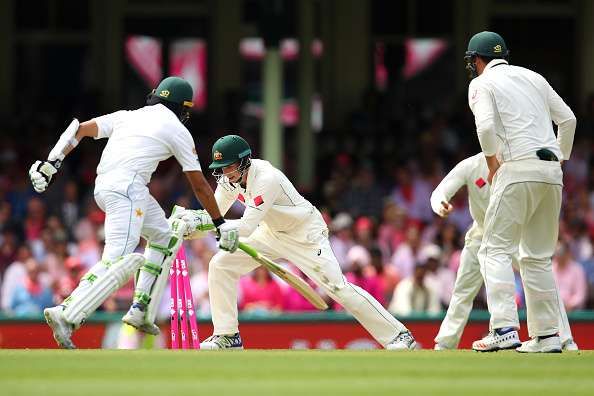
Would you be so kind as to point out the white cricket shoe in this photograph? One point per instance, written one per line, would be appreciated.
(441, 347)
(403, 341)
(218, 341)
(60, 327)
(135, 318)
(499, 339)
(570, 345)
(541, 345)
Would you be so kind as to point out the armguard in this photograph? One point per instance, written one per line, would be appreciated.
(66, 139)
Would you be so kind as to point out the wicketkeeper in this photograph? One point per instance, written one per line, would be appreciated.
(280, 224)
(137, 141)
(472, 173)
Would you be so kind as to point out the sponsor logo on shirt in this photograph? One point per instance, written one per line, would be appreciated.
(241, 198)
(258, 200)
(480, 182)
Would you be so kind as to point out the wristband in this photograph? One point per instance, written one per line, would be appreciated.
(218, 222)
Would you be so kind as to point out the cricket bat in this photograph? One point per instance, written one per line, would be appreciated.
(293, 280)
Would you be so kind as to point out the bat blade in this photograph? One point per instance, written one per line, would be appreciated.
(293, 280)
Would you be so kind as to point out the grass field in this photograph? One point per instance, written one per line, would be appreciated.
(285, 373)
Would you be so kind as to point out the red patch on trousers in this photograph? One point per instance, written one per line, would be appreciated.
(241, 198)
(480, 182)
(258, 200)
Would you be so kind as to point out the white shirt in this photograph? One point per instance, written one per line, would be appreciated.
(269, 197)
(138, 141)
(472, 173)
(513, 108)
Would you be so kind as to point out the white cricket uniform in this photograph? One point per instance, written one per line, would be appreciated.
(514, 109)
(280, 223)
(138, 141)
(472, 173)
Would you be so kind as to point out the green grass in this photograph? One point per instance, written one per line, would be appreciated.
(285, 373)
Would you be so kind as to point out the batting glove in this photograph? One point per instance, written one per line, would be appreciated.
(228, 237)
(41, 174)
(198, 220)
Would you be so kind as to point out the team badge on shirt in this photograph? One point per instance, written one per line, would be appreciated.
(480, 182)
(258, 200)
(139, 213)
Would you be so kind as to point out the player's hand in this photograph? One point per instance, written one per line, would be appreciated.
(41, 174)
(197, 221)
(228, 237)
(445, 209)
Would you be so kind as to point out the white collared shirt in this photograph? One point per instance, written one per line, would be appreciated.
(472, 173)
(513, 109)
(269, 197)
(137, 141)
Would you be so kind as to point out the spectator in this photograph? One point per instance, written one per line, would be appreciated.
(35, 220)
(69, 281)
(14, 275)
(364, 196)
(392, 231)
(260, 293)
(570, 278)
(405, 257)
(341, 239)
(386, 274)
(32, 295)
(439, 275)
(415, 295)
(362, 275)
(412, 194)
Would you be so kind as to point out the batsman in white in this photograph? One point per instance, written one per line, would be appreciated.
(138, 141)
(280, 224)
(514, 109)
(472, 173)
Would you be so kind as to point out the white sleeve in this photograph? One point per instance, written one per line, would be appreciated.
(264, 194)
(450, 184)
(483, 107)
(106, 123)
(184, 150)
(562, 115)
(224, 199)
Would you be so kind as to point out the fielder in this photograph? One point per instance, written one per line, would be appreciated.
(279, 223)
(138, 141)
(514, 109)
(472, 173)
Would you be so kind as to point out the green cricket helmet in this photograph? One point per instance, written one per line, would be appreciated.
(175, 93)
(229, 150)
(484, 44)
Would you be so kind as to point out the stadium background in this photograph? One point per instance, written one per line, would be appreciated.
(369, 120)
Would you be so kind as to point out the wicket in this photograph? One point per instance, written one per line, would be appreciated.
(182, 306)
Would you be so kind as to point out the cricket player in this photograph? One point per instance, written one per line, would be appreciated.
(472, 173)
(138, 141)
(514, 109)
(279, 223)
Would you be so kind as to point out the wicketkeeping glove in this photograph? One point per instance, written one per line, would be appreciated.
(41, 174)
(228, 237)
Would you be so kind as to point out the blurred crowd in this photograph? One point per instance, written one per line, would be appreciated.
(373, 187)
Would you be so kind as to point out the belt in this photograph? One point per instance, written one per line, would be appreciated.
(546, 155)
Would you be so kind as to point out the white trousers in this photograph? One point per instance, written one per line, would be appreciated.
(522, 217)
(309, 249)
(130, 216)
(468, 283)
